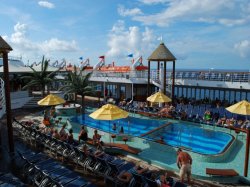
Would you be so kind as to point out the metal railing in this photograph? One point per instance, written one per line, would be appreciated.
(190, 75)
(212, 76)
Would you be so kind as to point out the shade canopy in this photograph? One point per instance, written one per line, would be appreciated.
(158, 97)
(242, 107)
(51, 100)
(109, 112)
(4, 46)
(161, 53)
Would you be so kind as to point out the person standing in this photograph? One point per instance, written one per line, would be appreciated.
(184, 162)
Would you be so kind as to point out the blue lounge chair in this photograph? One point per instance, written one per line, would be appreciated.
(78, 182)
(151, 183)
(67, 178)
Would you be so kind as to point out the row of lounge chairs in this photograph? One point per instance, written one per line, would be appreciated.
(42, 171)
(105, 165)
(8, 179)
(193, 113)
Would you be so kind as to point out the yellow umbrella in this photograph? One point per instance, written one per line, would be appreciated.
(109, 112)
(51, 100)
(242, 107)
(158, 97)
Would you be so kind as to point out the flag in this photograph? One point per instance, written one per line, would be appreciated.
(140, 60)
(81, 58)
(160, 38)
(102, 57)
(130, 55)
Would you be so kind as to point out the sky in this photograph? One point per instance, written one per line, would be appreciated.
(207, 34)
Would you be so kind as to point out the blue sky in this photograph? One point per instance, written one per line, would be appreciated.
(200, 33)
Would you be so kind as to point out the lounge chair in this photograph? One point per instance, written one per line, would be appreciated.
(78, 182)
(65, 179)
(138, 179)
(179, 184)
(151, 183)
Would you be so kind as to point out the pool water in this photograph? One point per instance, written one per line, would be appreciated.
(131, 125)
(190, 137)
(194, 138)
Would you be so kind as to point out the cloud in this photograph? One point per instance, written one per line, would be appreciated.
(123, 41)
(225, 12)
(55, 44)
(243, 48)
(149, 2)
(128, 12)
(46, 4)
(21, 44)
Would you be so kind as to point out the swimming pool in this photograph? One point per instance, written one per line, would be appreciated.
(131, 125)
(188, 136)
(193, 138)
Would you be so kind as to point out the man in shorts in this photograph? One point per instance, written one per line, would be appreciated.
(184, 162)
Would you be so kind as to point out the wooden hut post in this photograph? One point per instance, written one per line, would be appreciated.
(164, 77)
(148, 86)
(4, 50)
(173, 81)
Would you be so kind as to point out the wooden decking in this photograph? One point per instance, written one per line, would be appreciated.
(149, 132)
(222, 172)
(123, 147)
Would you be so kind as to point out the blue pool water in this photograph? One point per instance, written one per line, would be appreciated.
(194, 138)
(188, 136)
(131, 125)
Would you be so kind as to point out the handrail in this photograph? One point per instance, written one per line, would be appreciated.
(2, 98)
(181, 75)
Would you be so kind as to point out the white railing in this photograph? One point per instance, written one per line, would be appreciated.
(212, 76)
(2, 98)
(190, 75)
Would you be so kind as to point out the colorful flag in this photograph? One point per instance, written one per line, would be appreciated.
(130, 55)
(140, 60)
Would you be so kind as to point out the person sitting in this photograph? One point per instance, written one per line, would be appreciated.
(85, 149)
(207, 116)
(161, 140)
(165, 181)
(183, 115)
(125, 177)
(62, 133)
(221, 121)
(238, 124)
(229, 122)
(70, 138)
(45, 115)
(100, 150)
(163, 111)
(56, 135)
(121, 130)
(53, 112)
(140, 170)
(83, 135)
(114, 127)
(46, 122)
(246, 125)
(96, 138)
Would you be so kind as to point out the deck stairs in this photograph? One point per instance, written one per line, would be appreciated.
(158, 84)
(33, 102)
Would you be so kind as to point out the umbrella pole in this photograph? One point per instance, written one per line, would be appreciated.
(109, 135)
